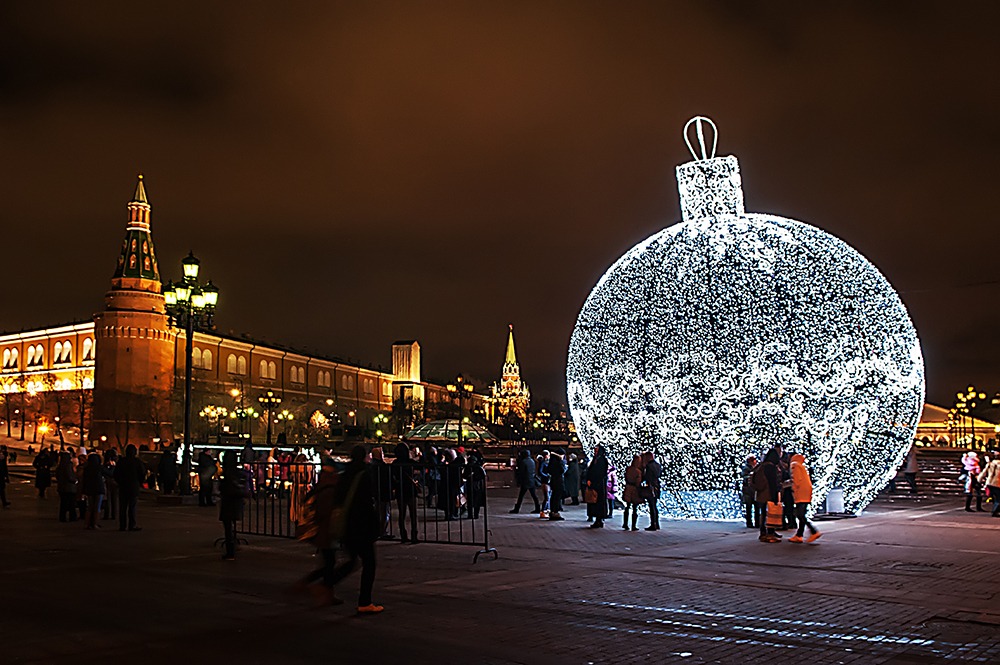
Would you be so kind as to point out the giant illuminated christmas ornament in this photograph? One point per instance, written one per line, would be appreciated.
(731, 332)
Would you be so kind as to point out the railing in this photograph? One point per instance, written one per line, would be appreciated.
(443, 504)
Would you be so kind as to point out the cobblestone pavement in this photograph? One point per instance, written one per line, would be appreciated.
(900, 585)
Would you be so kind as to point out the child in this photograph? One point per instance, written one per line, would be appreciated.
(802, 492)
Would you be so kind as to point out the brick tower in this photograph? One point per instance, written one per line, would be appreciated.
(135, 343)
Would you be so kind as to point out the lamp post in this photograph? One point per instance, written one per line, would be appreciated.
(965, 404)
(190, 304)
(285, 417)
(380, 420)
(460, 389)
(269, 400)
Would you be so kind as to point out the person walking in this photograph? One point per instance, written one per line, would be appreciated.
(597, 487)
(43, 463)
(524, 476)
(355, 494)
(630, 495)
(990, 477)
(910, 468)
(970, 465)
(4, 476)
(802, 495)
(206, 478)
(322, 498)
(475, 483)
(651, 483)
(93, 488)
(557, 483)
(767, 487)
(129, 474)
(747, 493)
(232, 492)
(66, 487)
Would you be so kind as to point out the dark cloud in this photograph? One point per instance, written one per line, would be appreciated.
(355, 173)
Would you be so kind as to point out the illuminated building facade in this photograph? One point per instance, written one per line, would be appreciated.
(130, 361)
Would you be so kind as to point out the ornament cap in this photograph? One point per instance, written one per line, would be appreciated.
(710, 188)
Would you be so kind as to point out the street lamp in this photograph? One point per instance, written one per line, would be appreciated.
(269, 400)
(190, 304)
(285, 416)
(965, 404)
(380, 420)
(460, 389)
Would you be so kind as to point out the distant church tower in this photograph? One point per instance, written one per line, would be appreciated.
(511, 397)
(134, 365)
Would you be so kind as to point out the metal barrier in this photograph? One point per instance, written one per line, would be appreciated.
(433, 503)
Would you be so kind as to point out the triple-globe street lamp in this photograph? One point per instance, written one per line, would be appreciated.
(460, 389)
(966, 404)
(191, 305)
(269, 400)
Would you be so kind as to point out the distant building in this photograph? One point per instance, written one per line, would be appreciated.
(122, 374)
(510, 399)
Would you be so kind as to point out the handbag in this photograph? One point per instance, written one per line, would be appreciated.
(645, 492)
(774, 515)
(590, 495)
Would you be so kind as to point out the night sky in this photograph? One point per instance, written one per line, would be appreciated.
(353, 174)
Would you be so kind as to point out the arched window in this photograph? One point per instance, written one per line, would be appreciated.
(13, 358)
(88, 348)
(263, 369)
(294, 372)
(6, 358)
(67, 354)
(57, 352)
(350, 383)
(231, 363)
(196, 357)
(302, 375)
(343, 381)
(31, 356)
(272, 371)
(206, 359)
(241, 365)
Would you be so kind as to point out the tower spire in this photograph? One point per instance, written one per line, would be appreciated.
(137, 259)
(511, 356)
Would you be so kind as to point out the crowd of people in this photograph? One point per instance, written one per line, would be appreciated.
(981, 480)
(776, 493)
(92, 484)
(559, 479)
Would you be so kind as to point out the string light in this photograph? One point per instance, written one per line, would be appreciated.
(731, 332)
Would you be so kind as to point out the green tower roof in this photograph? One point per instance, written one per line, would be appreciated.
(137, 258)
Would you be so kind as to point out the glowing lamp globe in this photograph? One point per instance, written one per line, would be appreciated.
(731, 332)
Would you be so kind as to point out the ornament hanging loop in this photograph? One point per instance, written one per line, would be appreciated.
(699, 124)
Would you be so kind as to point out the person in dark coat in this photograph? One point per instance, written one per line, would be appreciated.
(110, 508)
(475, 483)
(573, 479)
(66, 485)
(166, 470)
(651, 483)
(453, 483)
(232, 492)
(557, 483)
(129, 474)
(381, 478)
(355, 493)
(206, 474)
(4, 476)
(767, 484)
(43, 471)
(524, 475)
(748, 496)
(93, 488)
(597, 480)
(406, 487)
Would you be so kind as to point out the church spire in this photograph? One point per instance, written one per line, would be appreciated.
(511, 356)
